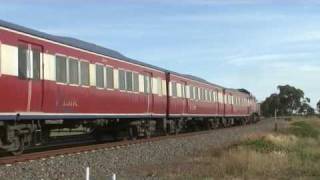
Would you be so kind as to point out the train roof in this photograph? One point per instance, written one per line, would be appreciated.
(94, 48)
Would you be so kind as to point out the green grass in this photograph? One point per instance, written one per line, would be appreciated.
(304, 129)
(262, 145)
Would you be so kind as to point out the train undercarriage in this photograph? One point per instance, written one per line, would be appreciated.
(16, 136)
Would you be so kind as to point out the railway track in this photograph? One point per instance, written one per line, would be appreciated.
(9, 160)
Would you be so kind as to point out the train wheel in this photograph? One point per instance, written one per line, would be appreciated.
(147, 133)
(215, 124)
(19, 144)
(97, 135)
(133, 133)
(224, 123)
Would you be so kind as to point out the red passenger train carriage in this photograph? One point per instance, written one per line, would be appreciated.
(50, 82)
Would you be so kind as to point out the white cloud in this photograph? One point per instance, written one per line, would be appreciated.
(309, 68)
(229, 18)
(268, 58)
(307, 36)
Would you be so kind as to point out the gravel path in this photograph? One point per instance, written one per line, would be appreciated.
(104, 162)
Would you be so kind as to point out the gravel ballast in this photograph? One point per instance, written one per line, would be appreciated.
(103, 163)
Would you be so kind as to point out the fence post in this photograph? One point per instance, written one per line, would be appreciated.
(87, 173)
(114, 177)
(275, 120)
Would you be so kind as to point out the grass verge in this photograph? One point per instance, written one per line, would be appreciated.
(292, 153)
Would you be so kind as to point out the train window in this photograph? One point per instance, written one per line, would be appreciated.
(110, 78)
(85, 75)
(135, 82)
(122, 80)
(159, 81)
(197, 93)
(22, 61)
(61, 69)
(164, 87)
(183, 91)
(147, 85)
(36, 64)
(178, 85)
(207, 95)
(174, 88)
(218, 96)
(191, 92)
(202, 94)
(227, 99)
(213, 96)
(73, 71)
(129, 81)
(99, 76)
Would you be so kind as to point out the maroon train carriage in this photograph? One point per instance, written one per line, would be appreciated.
(49, 84)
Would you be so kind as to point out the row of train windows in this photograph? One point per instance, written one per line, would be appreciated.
(201, 94)
(195, 93)
(128, 81)
(236, 100)
(72, 71)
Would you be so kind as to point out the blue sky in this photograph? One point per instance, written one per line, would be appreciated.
(249, 44)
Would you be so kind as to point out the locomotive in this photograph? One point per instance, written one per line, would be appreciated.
(51, 84)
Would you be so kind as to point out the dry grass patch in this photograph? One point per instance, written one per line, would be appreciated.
(291, 154)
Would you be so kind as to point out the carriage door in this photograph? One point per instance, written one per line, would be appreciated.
(148, 91)
(30, 70)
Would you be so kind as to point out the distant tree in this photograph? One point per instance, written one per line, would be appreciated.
(305, 108)
(269, 106)
(318, 106)
(288, 101)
